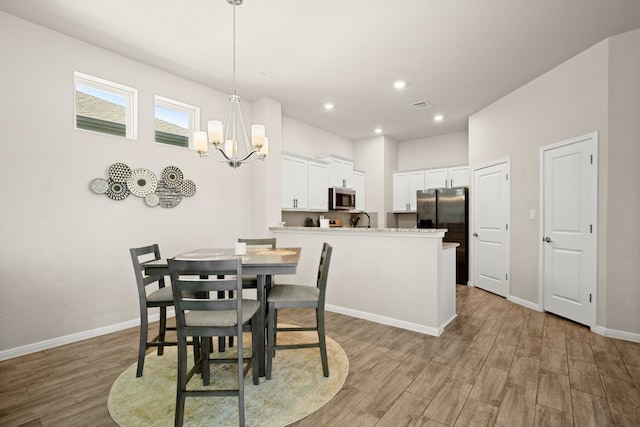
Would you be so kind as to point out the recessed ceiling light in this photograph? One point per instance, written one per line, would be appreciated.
(399, 84)
(438, 118)
(328, 106)
(377, 130)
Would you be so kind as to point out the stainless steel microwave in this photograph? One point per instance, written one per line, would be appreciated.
(341, 198)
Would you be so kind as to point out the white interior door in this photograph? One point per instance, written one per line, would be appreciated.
(490, 200)
(569, 209)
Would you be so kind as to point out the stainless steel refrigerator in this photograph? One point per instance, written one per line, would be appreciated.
(448, 208)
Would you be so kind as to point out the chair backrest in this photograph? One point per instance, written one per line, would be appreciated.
(264, 243)
(323, 271)
(139, 256)
(205, 278)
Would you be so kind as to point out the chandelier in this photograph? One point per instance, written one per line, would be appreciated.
(225, 135)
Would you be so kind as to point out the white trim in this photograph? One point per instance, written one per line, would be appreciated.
(614, 333)
(594, 137)
(79, 336)
(525, 303)
(391, 321)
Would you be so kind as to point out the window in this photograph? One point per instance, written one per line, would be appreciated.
(105, 107)
(175, 122)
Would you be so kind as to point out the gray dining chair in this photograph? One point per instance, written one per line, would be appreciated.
(299, 296)
(205, 317)
(251, 281)
(161, 298)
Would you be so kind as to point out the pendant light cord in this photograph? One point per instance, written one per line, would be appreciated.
(234, 47)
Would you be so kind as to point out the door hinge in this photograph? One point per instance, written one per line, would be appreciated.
(589, 297)
(591, 160)
(590, 228)
(506, 276)
(506, 176)
(506, 226)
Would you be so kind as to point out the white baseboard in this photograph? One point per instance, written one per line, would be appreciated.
(614, 333)
(389, 321)
(68, 339)
(525, 303)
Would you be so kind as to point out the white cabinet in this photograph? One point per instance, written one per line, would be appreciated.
(304, 184)
(295, 183)
(358, 186)
(436, 178)
(318, 186)
(340, 171)
(405, 187)
(457, 176)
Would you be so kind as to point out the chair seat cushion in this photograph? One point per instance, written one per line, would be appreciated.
(161, 295)
(222, 317)
(291, 293)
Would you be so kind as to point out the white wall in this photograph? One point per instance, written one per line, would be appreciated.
(442, 150)
(305, 140)
(597, 90)
(64, 260)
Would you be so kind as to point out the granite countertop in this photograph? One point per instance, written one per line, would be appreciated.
(363, 229)
(449, 245)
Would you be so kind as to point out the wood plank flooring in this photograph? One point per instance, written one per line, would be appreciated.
(498, 364)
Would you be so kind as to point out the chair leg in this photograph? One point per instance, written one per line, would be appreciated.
(163, 329)
(142, 348)
(271, 336)
(254, 351)
(322, 341)
(182, 380)
(240, 377)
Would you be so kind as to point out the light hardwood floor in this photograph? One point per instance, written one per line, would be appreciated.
(497, 364)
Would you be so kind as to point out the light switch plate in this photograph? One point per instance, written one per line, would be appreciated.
(532, 214)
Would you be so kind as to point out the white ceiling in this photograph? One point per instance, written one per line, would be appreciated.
(459, 55)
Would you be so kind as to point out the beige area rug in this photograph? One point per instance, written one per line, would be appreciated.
(297, 389)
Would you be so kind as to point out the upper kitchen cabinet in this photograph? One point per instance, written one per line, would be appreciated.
(318, 186)
(340, 171)
(304, 183)
(457, 176)
(405, 188)
(358, 186)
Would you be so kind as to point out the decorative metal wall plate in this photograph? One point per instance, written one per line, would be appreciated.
(166, 193)
(142, 182)
(172, 176)
(117, 190)
(188, 188)
(119, 172)
(170, 197)
(99, 185)
(152, 199)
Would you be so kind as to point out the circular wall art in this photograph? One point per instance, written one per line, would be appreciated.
(99, 185)
(142, 182)
(188, 188)
(152, 199)
(172, 176)
(122, 181)
(119, 172)
(117, 191)
(170, 197)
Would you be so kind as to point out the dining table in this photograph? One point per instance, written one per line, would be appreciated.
(262, 262)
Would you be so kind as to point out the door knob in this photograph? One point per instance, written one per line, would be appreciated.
(547, 239)
(475, 234)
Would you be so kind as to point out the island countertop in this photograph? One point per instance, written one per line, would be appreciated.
(426, 232)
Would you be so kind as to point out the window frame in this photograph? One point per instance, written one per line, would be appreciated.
(128, 93)
(192, 111)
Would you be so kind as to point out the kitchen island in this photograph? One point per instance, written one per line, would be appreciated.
(399, 277)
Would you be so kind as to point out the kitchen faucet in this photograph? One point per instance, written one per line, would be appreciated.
(368, 218)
